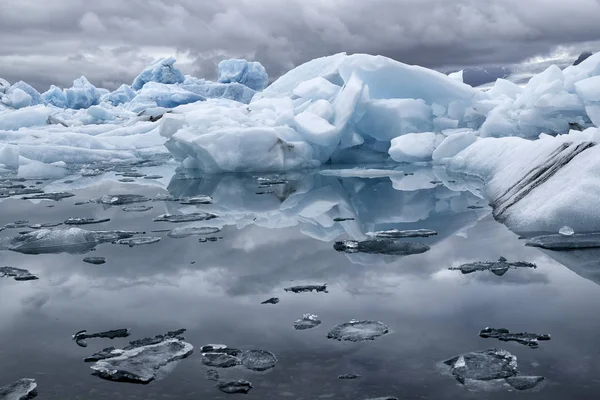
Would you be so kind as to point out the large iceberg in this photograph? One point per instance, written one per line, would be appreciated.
(249, 73)
(161, 71)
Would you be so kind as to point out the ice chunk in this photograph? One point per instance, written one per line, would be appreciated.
(23, 389)
(19, 99)
(17, 273)
(349, 376)
(122, 199)
(123, 94)
(31, 169)
(25, 117)
(566, 231)
(521, 382)
(251, 74)
(397, 234)
(413, 147)
(315, 129)
(589, 89)
(220, 360)
(101, 113)
(85, 221)
(137, 208)
(161, 71)
(561, 242)
(187, 231)
(272, 300)
(358, 331)
(385, 119)
(95, 260)
(498, 268)
(55, 96)
(322, 108)
(381, 246)
(62, 240)
(36, 98)
(258, 360)
(307, 288)
(453, 144)
(316, 89)
(308, 321)
(138, 241)
(483, 366)
(199, 216)
(56, 196)
(81, 336)
(232, 387)
(527, 339)
(82, 94)
(159, 94)
(142, 364)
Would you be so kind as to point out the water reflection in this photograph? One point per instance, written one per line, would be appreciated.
(276, 240)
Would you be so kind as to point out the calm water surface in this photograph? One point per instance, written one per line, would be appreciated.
(275, 240)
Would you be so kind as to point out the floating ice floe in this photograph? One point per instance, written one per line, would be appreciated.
(484, 369)
(308, 321)
(142, 361)
(528, 339)
(17, 274)
(81, 337)
(23, 389)
(499, 267)
(381, 246)
(232, 387)
(358, 331)
(95, 260)
(559, 242)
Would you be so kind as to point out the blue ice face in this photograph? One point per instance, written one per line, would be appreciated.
(250, 74)
(162, 71)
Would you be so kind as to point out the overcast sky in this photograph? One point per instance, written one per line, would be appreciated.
(110, 41)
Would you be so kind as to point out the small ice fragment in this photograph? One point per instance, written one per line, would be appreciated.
(272, 300)
(122, 199)
(341, 219)
(232, 387)
(212, 375)
(357, 331)
(220, 360)
(521, 382)
(528, 339)
(138, 241)
(95, 260)
(153, 177)
(566, 231)
(498, 268)
(126, 180)
(308, 321)
(349, 376)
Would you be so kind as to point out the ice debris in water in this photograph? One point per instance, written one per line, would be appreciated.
(71, 240)
(232, 387)
(381, 246)
(56, 196)
(397, 234)
(143, 360)
(85, 221)
(81, 336)
(138, 241)
(95, 260)
(560, 242)
(258, 360)
(17, 273)
(122, 199)
(212, 374)
(499, 267)
(17, 224)
(343, 219)
(209, 239)
(566, 231)
(383, 398)
(220, 360)
(357, 331)
(489, 366)
(23, 389)
(137, 208)
(348, 376)
(201, 216)
(308, 321)
(186, 231)
(272, 300)
(196, 200)
(528, 339)
(307, 288)
(153, 177)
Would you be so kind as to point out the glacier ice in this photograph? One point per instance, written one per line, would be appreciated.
(249, 73)
(161, 71)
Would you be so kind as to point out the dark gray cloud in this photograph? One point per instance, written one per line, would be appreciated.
(109, 41)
